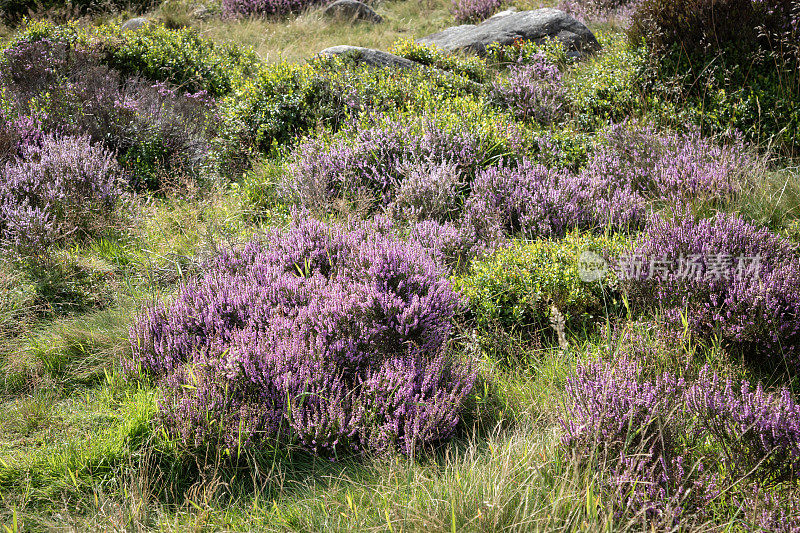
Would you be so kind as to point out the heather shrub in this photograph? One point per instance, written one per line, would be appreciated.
(532, 200)
(472, 67)
(17, 132)
(723, 278)
(516, 287)
(474, 11)
(416, 169)
(264, 8)
(152, 128)
(61, 189)
(532, 91)
(668, 166)
(680, 449)
(329, 339)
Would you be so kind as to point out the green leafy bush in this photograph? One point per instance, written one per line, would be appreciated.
(735, 63)
(515, 288)
(604, 88)
(180, 57)
(471, 67)
(285, 101)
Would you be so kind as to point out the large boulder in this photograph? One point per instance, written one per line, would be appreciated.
(134, 24)
(536, 25)
(352, 10)
(371, 57)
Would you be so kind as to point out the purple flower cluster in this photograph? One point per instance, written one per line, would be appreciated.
(533, 90)
(668, 166)
(473, 11)
(540, 202)
(264, 8)
(418, 171)
(755, 314)
(57, 189)
(321, 337)
(647, 430)
(761, 430)
(599, 10)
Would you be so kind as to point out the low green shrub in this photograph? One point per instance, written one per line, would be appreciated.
(285, 101)
(604, 88)
(180, 57)
(471, 67)
(516, 288)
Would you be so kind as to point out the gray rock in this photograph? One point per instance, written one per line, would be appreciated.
(352, 10)
(535, 25)
(135, 24)
(368, 56)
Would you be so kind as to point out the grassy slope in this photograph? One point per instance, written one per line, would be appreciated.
(76, 449)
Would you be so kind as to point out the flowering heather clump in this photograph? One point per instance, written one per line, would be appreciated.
(326, 338)
(599, 10)
(473, 11)
(668, 166)
(371, 165)
(723, 276)
(533, 90)
(62, 188)
(648, 431)
(264, 8)
(761, 431)
(16, 133)
(539, 202)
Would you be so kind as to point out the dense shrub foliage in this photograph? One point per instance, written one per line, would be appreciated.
(471, 67)
(735, 61)
(669, 166)
(286, 101)
(516, 287)
(535, 201)
(326, 338)
(417, 169)
(654, 433)
(179, 57)
(723, 277)
(152, 128)
(532, 90)
(57, 189)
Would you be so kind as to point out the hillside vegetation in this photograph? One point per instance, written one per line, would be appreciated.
(245, 286)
